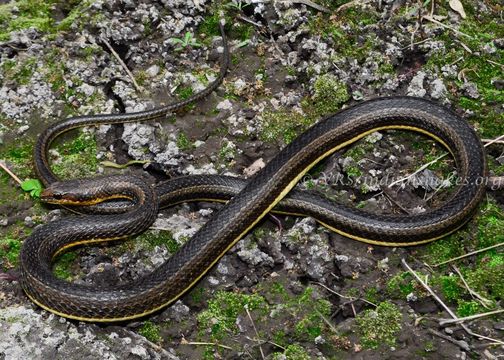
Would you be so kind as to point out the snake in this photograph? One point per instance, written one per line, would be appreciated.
(247, 202)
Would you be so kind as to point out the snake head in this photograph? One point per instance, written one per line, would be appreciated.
(63, 193)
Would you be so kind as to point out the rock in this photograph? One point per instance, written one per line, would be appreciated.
(470, 89)
(153, 71)
(416, 87)
(87, 89)
(438, 89)
(250, 253)
(34, 336)
(225, 105)
(22, 129)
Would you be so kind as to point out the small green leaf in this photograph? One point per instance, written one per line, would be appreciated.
(33, 186)
(176, 41)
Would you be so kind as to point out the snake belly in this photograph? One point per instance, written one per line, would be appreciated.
(248, 202)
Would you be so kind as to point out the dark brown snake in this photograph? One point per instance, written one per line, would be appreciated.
(247, 203)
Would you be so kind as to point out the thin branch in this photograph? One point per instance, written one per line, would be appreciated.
(468, 254)
(313, 5)
(343, 296)
(484, 141)
(331, 326)
(443, 322)
(421, 168)
(185, 342)
(485, 302)
(497, 139)
(495, 63)
(431, 19)
(121, 62)
(246, 19)
(7, 170)
(153, 345)
(255, 330)
(419, 279)
(460, 343)
(350, 4)
(452, 314)
(415, 43)
(403, 209)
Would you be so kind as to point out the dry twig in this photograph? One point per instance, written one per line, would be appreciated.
(351, 298)
(421, 168)
(7, 170)
(431, 19)
(484, 302)
(255, 330)
(468, 254)
(496, 140)
(185, 342)
(448, 310)
(443, 322)
(122, 63)
(461, 344)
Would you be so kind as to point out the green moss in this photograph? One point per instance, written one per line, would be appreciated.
(483, 272)
(468, 308)
(141, 77)
(311, 323)
(353, 171)
(371, 294)
(183, 142)
(329, 94)
(450, 287)
(9, 251)
(78, 11)
(78, 157)
(223, 309)
(284, 125)
(292, 352)
(400, 285)
(19, 156)
(486, 279)
(379, 326)
(21, 71)
(155, 238)
(151, 332)
(61, 267)
(39, 14)
(480, 68)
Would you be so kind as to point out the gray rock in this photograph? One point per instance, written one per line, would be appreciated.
(438, 89)
(27, 334)
(470, 89)
(416, 87)
(153, 71)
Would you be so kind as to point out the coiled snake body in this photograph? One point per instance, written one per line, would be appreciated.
(247, 203)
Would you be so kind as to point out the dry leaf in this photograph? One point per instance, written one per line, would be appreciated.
(456, 5)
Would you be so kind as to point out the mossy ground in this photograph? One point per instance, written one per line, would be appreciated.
(289, 320)
(40, 15)
(293, 320)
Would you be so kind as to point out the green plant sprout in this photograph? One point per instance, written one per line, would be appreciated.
(237, 4)
(33, 186)
(188, 40)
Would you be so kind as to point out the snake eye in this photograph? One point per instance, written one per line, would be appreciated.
(58, 196)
